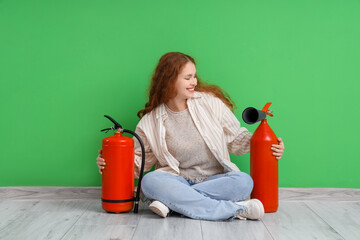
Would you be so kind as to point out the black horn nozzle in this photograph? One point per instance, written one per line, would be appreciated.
(252, 115)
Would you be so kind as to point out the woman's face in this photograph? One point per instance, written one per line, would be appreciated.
(186, 81)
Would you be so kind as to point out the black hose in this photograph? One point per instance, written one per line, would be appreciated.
(137, 198)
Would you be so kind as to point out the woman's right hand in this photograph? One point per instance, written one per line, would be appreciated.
(100, 162)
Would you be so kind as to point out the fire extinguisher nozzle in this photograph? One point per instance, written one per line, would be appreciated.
(251, 115)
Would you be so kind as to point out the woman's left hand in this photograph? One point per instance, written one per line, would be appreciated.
(278, 149)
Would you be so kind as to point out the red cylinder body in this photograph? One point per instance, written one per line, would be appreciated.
(264, 167)
(118, 174)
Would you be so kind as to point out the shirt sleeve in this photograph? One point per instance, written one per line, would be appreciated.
(237, 137)
(150, 158)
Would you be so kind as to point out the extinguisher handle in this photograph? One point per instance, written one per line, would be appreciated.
(137, 198)
(117, 125)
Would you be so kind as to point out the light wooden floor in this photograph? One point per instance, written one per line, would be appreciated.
(76, 213)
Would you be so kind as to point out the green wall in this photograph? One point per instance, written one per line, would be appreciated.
(64, 64)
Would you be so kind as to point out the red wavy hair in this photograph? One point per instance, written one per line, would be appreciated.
(162, 87)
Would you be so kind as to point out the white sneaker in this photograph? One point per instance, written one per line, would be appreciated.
(254, 210)
(159, 208)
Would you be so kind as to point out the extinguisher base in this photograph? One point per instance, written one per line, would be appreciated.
(271, 209)
(117, 207)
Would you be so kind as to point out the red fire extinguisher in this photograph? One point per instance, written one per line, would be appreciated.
(263, 164)
(118, 176)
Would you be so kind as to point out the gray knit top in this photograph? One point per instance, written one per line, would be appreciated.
(186, 145)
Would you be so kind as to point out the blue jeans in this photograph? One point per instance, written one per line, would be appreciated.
(212, 199)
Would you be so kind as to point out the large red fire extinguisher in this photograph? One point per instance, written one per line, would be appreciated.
(263, 164)
(118, 176)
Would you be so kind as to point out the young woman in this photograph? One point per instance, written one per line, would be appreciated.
(188, 129)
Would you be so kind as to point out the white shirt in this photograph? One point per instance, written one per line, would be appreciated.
(216, 123)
